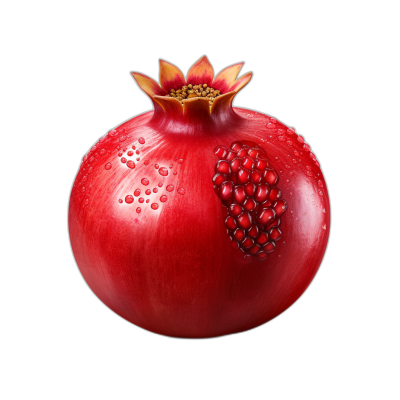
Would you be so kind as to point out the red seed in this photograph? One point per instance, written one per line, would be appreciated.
(255, 249)
(221, 152)
(244, 220)
(269, 247)
(239, 234)
(254, 153)
(239, 194)
(230, 223)
(247, 243)
(262, 238)
(243, 175)
(275, 234)
(256, 177)
(262, 192)
(271, 177)
(280, 207)
(261, 165)
(250, 189)
(253, 232)
(219, 178)
(236, 146)
(248, 163)
(231, 155)
(223, 167)
(243, 152)
(235, 164)
(235, 210)
(226, 190)
(262, 256)
(275, 194)
(265, 215)
(249, 204)
(273, 223)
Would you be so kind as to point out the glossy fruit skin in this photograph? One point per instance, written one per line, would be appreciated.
(172, 270)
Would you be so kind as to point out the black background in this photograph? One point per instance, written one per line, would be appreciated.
(298, 81)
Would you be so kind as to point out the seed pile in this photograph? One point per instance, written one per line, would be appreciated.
(252, 204)
(190, 91)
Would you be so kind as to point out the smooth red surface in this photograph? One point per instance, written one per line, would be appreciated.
(172, 270)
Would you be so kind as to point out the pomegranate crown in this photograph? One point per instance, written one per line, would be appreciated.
(200, 89)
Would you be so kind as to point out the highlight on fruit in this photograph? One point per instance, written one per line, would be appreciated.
(199, 219)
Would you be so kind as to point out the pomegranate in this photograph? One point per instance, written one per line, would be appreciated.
(198, 219)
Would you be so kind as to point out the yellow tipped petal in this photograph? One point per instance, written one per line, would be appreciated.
(169, 104)
(171, 76)
(148, 85)
(201, 72)
(221, 102)
(226, 77)
(196, 108)
(241, 82)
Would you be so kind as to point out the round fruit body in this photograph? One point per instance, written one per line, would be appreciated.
(148, 234)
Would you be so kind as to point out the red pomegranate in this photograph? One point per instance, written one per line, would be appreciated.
(199, 219)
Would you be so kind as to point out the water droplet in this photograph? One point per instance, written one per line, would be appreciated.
(130, 153)
(160, 184)
(145, 181)
(175, 173)
(138, 210)
(163, 171)
(83, 189)
(306, 147)
(181, 191)
(148, 192)
(155, 190)
(137, 192)
(323, 210)
(133, 147)
(296, 153)
(289, 143)
(291, 173)
(90, 170)
(180, 161)
(320, 184)
(163, 198)
(138, 159)
(308, 167)
(123, 160)
(102, 152)
(120, 154)
(148, 200)
(130, 164)
(113, 132)
(86, 202)
(281, 138)
(91, 159)
(290, 131)
(119, 200)
(300, 139)
(156, 166)
(154, 206)
(170, 188)
(137, 152)
(142, 141)
(324, 227)
(320, 192)
(84, 179)
(146, 162)
(171, 165)
(129, 199)
(309, 173)
(141, 200)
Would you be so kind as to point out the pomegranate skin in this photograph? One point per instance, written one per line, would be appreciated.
(172, 270)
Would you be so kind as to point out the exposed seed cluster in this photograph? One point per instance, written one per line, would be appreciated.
(190, 91)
